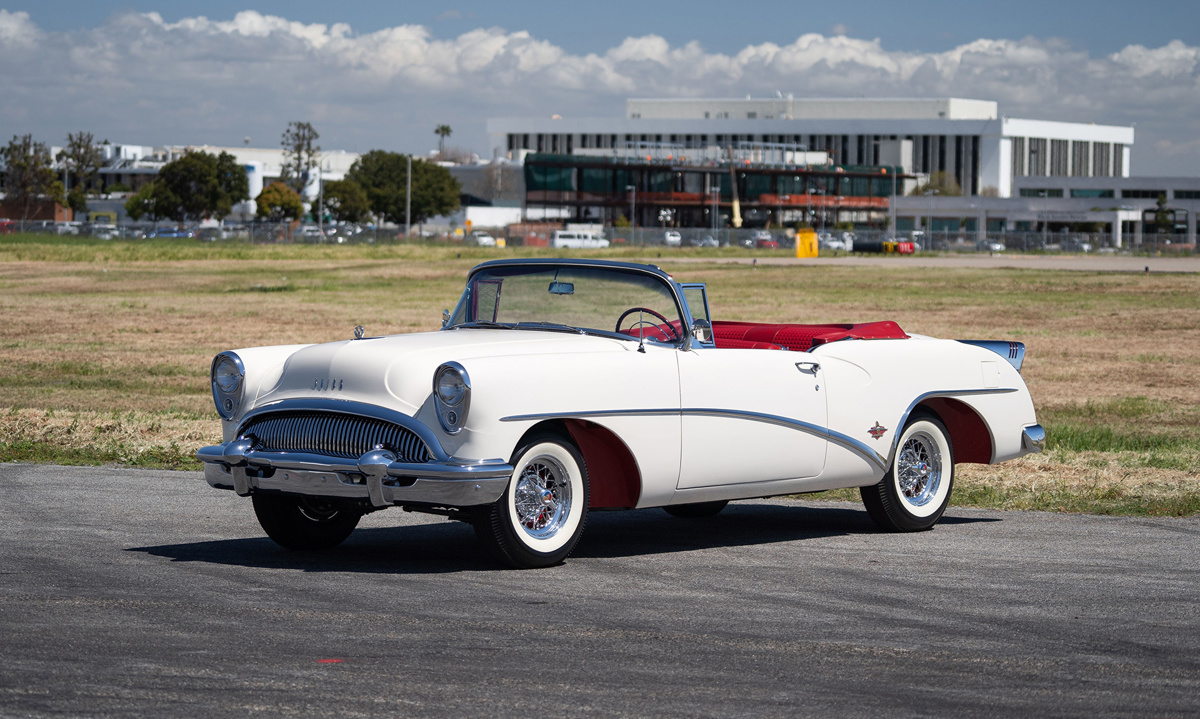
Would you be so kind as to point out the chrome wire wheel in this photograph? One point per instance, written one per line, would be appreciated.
(915, 491)
(538, 520)
(919, 469)
(542, 498)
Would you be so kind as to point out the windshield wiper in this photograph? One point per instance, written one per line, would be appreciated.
(552, 326)
(487, 324)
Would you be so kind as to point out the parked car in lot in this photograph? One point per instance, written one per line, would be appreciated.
(103, 231)
(989, 246)
(482, 239)
(672, 238)
(308, 233)
(7, 227)
(1075, 244)
(212, 234)
(829, 242)
(763, 240)
(171, 232)
(560, 386)
(578, 239)
(707, 241)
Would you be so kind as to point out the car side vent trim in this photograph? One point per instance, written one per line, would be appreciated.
(1013, 352)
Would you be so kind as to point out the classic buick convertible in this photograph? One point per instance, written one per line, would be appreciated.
(558, 387)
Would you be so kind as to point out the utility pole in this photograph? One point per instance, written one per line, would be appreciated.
(408, 200)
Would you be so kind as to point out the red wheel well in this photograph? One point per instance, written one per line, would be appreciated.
(615, 480)
(968, 433)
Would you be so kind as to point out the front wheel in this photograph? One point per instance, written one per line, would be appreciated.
(304, 522)
(915, 491)
(540, 517)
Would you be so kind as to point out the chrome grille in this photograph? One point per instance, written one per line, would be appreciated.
(334, 434)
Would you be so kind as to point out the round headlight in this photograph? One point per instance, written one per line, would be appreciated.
(227, 375)
(452, 395)
(450, 386)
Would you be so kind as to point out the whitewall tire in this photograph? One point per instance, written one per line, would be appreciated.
(540, 517)
(916, 490)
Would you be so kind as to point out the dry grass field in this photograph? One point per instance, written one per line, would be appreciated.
(105, 347)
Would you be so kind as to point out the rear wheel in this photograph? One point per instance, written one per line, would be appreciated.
(304, 522)
(695, 510)
(916, 490)
(540, 517)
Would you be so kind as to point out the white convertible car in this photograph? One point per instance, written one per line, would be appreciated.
(558, 387)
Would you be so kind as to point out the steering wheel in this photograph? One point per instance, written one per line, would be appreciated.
(665, 322)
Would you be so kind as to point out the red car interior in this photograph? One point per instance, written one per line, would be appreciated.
(797, 338)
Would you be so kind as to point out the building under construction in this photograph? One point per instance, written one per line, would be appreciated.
(747, 184)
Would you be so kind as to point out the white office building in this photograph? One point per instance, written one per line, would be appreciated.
(987, 153)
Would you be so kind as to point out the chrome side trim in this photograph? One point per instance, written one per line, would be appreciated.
(944, 393)
(843, 440)
(800, 426)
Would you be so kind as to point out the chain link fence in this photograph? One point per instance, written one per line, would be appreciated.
(829, 240)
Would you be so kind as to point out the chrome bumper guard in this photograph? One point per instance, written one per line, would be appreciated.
(1033, 439)
(375, 476)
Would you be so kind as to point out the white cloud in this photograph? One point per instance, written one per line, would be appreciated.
(139, 78)
(16, 30)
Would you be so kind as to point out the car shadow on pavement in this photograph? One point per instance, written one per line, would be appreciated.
(446, 547)
(653, 531)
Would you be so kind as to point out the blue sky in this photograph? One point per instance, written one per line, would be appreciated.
(1100, 26)
(383, 75)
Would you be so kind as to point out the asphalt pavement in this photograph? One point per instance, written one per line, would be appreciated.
(142, 593)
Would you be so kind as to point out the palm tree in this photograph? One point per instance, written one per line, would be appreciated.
(442, 131)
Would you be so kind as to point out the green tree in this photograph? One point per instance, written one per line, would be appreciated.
(82, 159)
(145, 203)
(28, 176)
(77, 199)
(199, 186)
(279, 202)
(442, 131)
(939, 183)
(233, 184)
(1164, 218)
(383, 175)
(301, 154)
(346, 201)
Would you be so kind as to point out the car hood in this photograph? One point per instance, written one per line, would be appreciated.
(397, 370)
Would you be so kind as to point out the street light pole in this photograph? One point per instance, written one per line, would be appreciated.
(321, 200)
(632, 190)
(408, 200)
(929, 228)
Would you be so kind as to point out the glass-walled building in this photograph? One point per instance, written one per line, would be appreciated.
(986, 153)
(664, 186)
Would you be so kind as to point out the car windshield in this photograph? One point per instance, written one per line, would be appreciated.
(601, 300)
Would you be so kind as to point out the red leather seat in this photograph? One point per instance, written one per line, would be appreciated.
(798, 338)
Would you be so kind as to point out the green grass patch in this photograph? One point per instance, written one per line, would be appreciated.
(30, 450)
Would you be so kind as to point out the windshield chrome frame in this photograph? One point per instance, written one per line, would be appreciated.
(685, 315)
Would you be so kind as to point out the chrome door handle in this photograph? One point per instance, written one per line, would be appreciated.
(808, 367)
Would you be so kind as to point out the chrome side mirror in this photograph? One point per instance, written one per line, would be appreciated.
(445, 317)
(702, 331)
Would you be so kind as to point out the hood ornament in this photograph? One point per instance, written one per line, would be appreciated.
(359, 332)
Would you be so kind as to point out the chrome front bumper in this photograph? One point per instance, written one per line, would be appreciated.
(375, 476)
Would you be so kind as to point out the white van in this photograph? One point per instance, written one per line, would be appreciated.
(578, 239)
